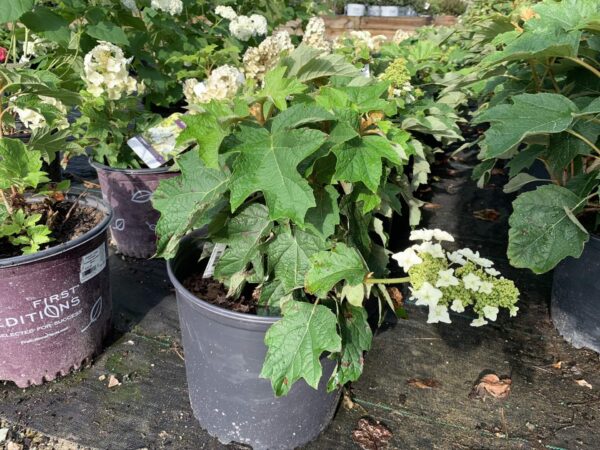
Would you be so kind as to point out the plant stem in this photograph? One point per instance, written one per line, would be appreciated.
(584, 139)
(387, 280)
(582, 63)
(5, 201)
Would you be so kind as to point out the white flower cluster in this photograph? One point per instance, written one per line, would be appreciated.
(226, 12)
(244, 27)
(259, 60)
(34, 120)
(314, 35)
(106, 70)
(173, 7)
(402, 35)
(223, 82)
(361, 39)
(405, 92)
(35, 46)
(441, 287)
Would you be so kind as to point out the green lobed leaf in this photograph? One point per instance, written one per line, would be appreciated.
(268, 163)
(44, 21)
(108, 31)
(295, 345)
(325, 216)
(206, 130)
(183, 200)
(529, 114)
(300, 114)
(541, 233)
(12, 10)
(332, 266)
(278, 88)
(19, 166)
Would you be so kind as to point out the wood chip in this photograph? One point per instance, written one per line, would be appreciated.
(396, 296)
(113, 382)
(371, 434)
(491, 385)
(488, 214)
(424, 383)
(583, 383)
(557, 365)
(432, 205)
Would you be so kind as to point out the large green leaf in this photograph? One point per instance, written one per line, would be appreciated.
(300, 114)
(108, 31)
(356, 339)
(361, 160)
(11, 10)
(289, 255)
(206, 130)
(307, 63)
(326, 214)
(243, 235)
(331, 267)
(295, 345)
(268, 163)
(543, 230)
(19, 166)
(184, 201)
(44, 21)
(529, 114)
(278, 87)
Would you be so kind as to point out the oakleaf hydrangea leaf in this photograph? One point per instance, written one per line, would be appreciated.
(19, 166)
(295, 345)
(206, 130)
(541, 232)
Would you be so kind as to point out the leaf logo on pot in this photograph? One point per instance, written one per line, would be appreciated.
(51, 311)
(95, 313)
(141, 196)
(119, 225)
(152, 226)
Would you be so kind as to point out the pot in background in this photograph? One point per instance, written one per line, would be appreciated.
(374, 10)
(390, 11)
(55, 306)
(355, 9)
(129, 193)
(224, 354)
(576, 297)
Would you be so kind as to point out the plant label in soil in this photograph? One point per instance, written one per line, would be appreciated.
(214, 259)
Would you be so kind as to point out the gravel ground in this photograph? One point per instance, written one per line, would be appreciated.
(13, 437)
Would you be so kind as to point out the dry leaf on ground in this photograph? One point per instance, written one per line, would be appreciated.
(491, 385)
(583, 383)
(371, 434)
(423, 383)
(429, 205)
(488, 214)
(396, 296)
(557, 365)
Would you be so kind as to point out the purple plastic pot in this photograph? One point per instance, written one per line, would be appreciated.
(224, 354)
(129, 193)
(55, 306)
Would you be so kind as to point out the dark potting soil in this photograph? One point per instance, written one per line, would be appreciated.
(215, 293)
(67, 222)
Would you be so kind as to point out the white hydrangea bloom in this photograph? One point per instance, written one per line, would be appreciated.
(223, 82)
(373, 43)
(401, 35)
(31, 119)
(493, 272)
(446, 278)
(130, 5)
(427, 295)
(421, 235)
(440, 235)
(315, 35)
(479, 322)
(490, 312)
(457, 306)
(226, 12)
(434, 250)
(63, 122)
(173, 7)
(407, 259)
(486, 287)
(474, 257)
(457, 258)
(438, 313)
(259, 60)
(472, 282)
(244, 27)
(513, 311)
(105, 70)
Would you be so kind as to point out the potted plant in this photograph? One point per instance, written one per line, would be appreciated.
(390, 9)
(287, 203)
(355, 9)
(547, 110)
(374, 8)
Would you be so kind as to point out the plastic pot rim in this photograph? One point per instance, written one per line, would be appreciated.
(164, 169)
(217, 310)
(94, 202)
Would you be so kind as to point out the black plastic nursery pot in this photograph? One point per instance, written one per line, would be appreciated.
(224, 353)
(129, 193)
(55, 306)
(576, 297)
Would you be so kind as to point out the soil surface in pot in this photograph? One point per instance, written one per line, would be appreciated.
(215, 293)
(66, 219)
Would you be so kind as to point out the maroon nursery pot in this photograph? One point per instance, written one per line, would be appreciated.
(55, 306)
(129, 193)
(224, 354)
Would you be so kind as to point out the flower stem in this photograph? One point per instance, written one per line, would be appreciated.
(387, 280)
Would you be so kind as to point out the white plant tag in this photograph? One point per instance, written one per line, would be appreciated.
(214, 259)
(366, 71)
(92, 264)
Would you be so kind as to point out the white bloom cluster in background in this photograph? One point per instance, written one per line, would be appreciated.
(226, 12)
(35, 46)
(361, 38)
(31, 119)
(244, 27)
(401, 35)
(259, 60)
(34, 120)
(106, 71)
(445, 281)
(223, 82)
(315, 35)
(173, 7)
(130, 5)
